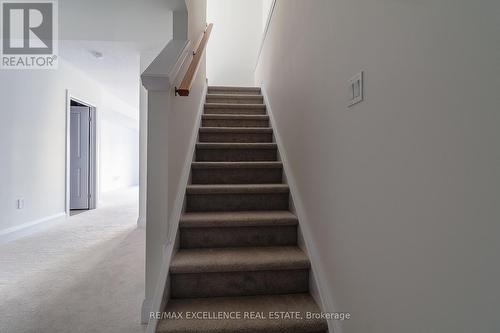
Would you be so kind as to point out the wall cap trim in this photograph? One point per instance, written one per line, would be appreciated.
(162, 72)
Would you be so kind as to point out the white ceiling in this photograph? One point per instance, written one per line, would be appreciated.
(118, 70)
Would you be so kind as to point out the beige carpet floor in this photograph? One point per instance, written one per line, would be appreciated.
(81, 274)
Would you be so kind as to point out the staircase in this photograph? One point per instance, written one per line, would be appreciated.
(238, 240)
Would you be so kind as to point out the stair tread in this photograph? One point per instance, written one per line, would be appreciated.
(250, 304)
(234, 106)
(233, 96)
(236, 129)
(233, 88)
(236, 116)
(231, 145)
(237, 188)
(237, 219)
(237, 165)
(241, 259)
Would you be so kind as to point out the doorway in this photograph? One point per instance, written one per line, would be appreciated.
(81, 156)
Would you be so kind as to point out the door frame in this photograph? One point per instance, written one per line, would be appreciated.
(92, 153)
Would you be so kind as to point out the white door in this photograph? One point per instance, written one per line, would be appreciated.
(79, 157)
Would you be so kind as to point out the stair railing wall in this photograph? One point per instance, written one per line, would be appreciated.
(171, 122)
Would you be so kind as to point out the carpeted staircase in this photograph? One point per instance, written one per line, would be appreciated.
(238, 240)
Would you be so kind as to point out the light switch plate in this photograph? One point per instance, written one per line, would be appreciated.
(20, 203)
(356, 89)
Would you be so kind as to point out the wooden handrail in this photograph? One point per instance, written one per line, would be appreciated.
(187, 82)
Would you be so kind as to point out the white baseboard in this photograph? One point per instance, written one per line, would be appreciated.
(28, 228)
(323, 291)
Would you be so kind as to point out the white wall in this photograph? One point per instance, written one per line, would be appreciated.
(401, 192)
(33, 140)
(143, 146)
(119, 135)
(119, 151)
(234, 44)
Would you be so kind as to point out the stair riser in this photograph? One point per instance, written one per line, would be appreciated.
(231, 284)
(236, 137)
(197, 238)
(237, 176)
(237, 202)
(256, 112)
(235, 122)
(236, 155)
(239, 100)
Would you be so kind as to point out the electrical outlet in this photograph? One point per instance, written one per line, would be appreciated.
(356, 89)
(20, 203)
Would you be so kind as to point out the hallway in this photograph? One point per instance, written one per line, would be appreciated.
(84, 274)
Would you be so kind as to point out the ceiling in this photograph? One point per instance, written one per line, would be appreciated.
(118, 70)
